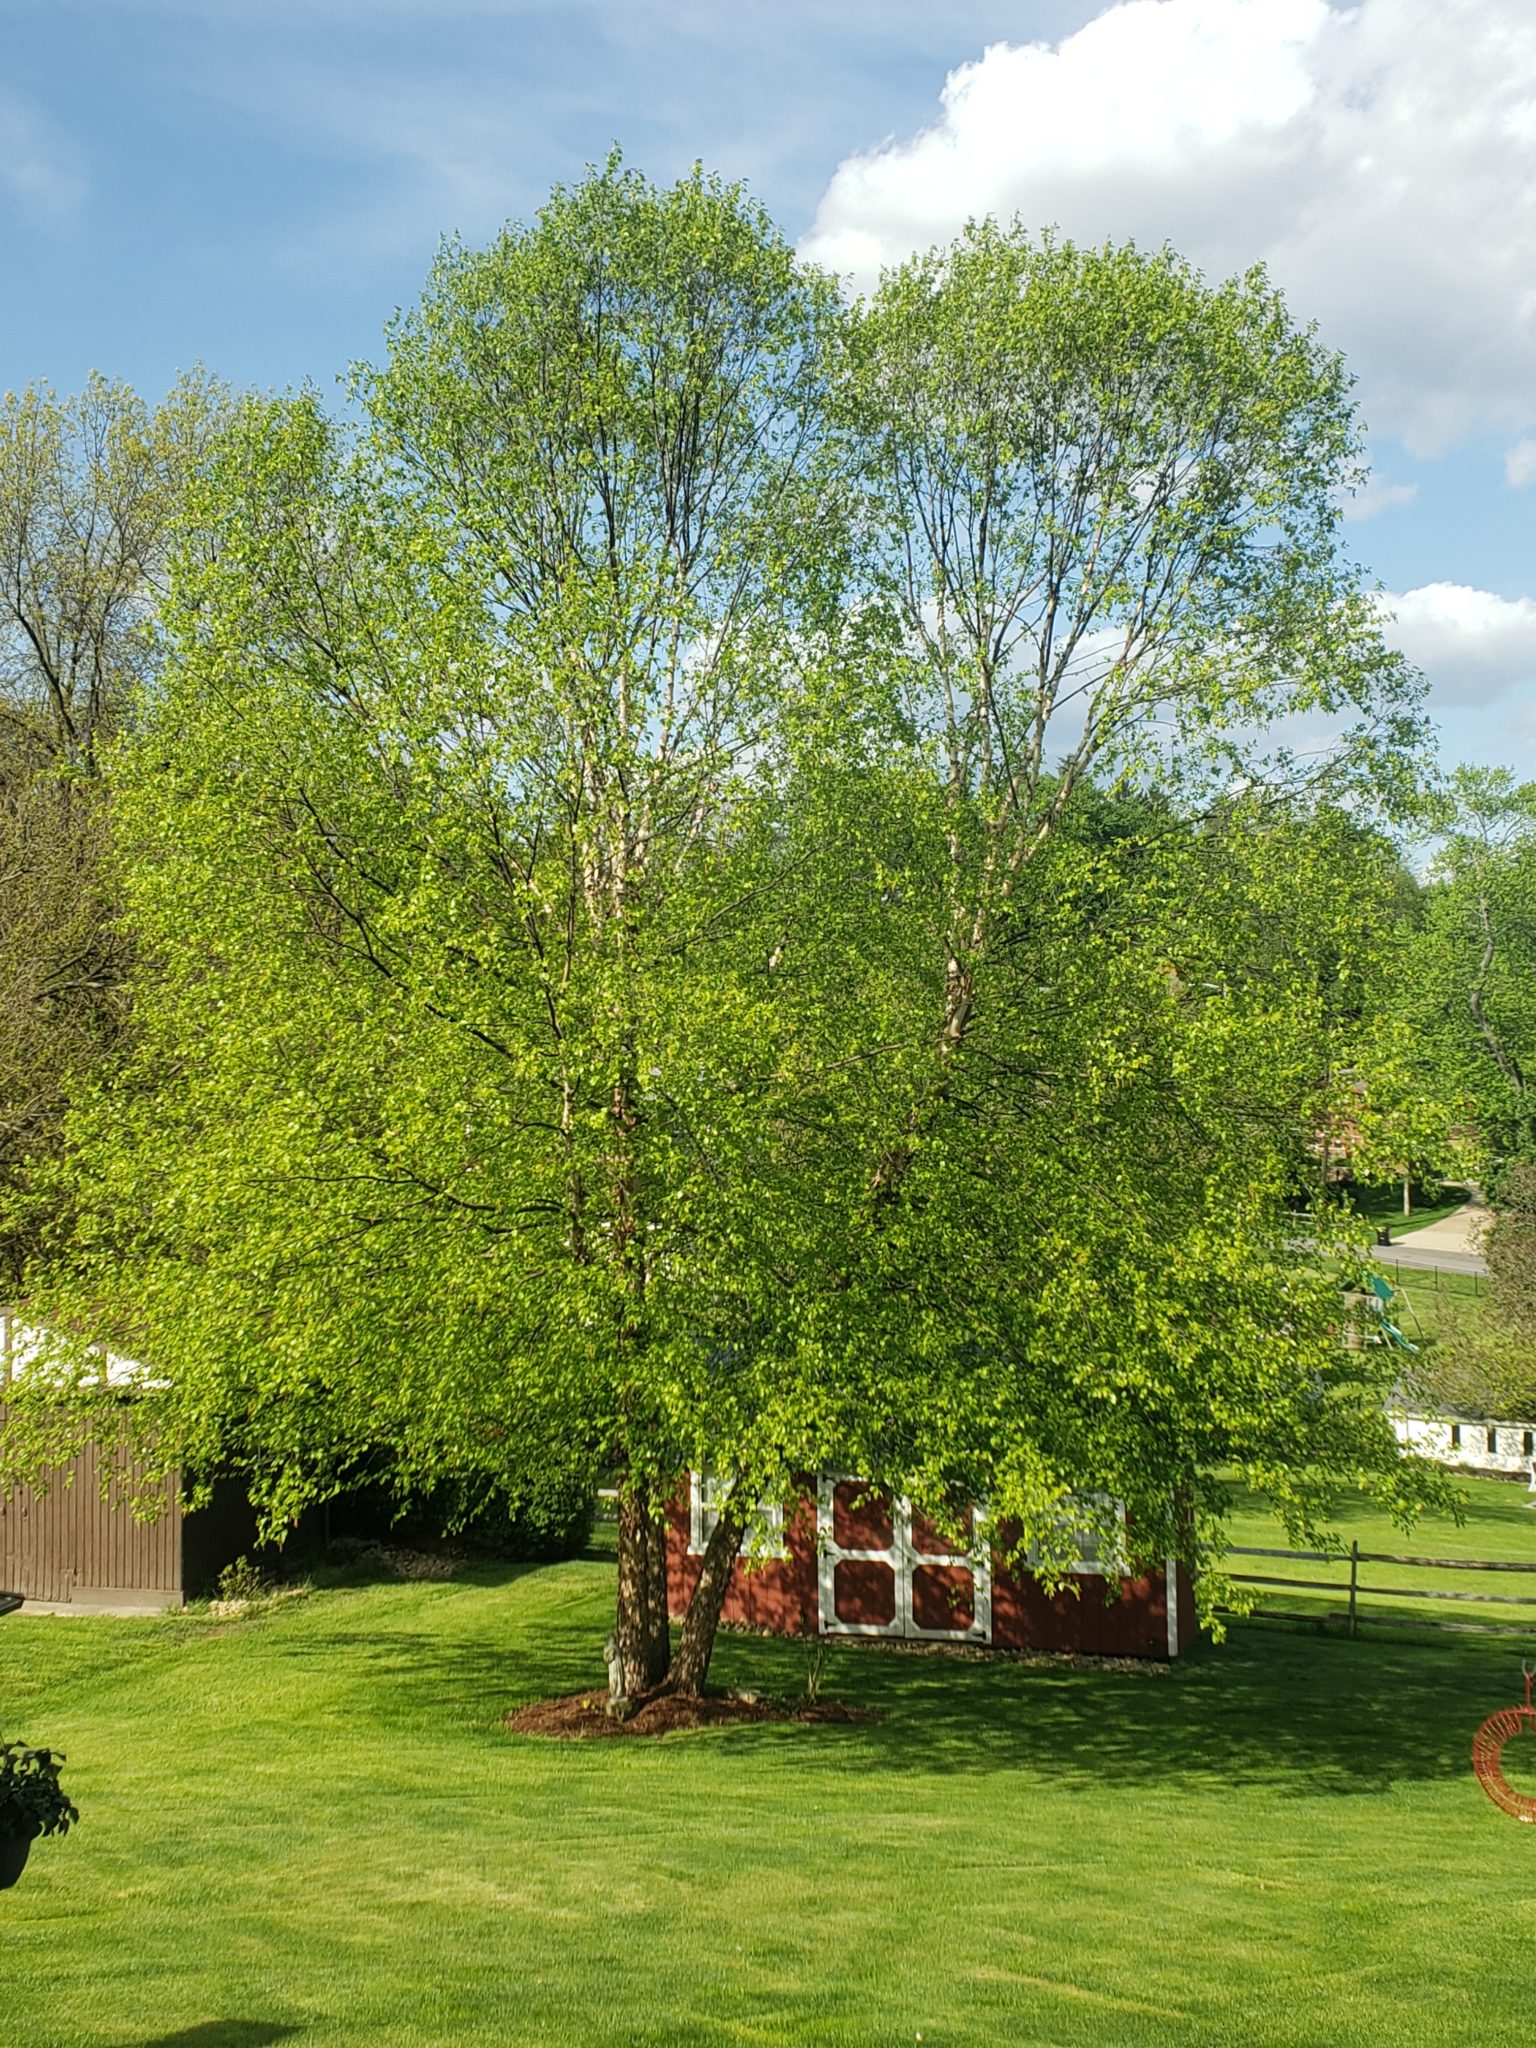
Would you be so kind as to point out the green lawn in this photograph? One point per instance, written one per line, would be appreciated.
(1428, 1298)
(310, 1827)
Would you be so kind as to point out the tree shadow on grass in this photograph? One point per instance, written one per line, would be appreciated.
(223, 2034)
(351, 1567)
(1301, 1713)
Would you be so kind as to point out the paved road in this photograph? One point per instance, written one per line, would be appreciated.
(1404, 1252)
(1451, 1244)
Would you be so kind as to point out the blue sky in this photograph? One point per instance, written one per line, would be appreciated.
(255, 184)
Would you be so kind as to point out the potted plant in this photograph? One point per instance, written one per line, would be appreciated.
(32, 1803)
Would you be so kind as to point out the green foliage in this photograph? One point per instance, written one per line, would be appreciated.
(549, 1520)
(242, 1579)
(90, 490)
(1509, 1245)
(1110, 518)
(540, 1516)
(90, 487)
(32, 1801)
(1484, 1359)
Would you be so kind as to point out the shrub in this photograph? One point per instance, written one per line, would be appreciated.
(537, 1524)
(243, 1581)
(536, 1521)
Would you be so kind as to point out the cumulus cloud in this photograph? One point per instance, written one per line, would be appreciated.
(1472, 644)
(1520, 464)
(1381, 160)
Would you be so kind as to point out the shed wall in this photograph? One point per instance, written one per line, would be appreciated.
(68, 1544)
(1091, 1616)
(775, 1593)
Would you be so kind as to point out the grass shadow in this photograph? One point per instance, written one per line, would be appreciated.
(376, 1564)
(223, 2034)
(1306, 1713)
(1298, 1712)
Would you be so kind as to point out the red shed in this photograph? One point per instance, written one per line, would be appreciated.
(846, 1560)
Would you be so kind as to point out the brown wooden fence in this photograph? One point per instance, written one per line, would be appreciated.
(1358, 1595)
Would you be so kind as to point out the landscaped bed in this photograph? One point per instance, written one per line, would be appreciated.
(310, 1825)
(584, 1716)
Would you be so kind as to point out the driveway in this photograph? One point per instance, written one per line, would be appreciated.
(1451, 1244)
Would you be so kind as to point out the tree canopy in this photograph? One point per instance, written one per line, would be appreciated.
(713, 886)
(1473, 965)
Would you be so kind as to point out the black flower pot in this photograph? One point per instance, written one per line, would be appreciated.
(14, 1851)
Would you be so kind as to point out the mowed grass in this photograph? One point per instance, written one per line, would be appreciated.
(1499, 1524)
(1429, 1302)
(310, 1826)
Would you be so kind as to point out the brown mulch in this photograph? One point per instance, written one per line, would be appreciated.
(580, 1716)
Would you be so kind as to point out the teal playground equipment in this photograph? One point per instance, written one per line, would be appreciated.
(1381, 1301)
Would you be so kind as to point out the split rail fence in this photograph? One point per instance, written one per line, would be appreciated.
(1357, 1594)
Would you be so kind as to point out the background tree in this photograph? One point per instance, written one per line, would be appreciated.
(619, 970)
(1483, 1359)
(89, 487)
(1472, 983)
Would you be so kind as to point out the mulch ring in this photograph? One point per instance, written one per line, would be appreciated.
(582, 1716)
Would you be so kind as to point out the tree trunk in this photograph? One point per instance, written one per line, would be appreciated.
(696, 1645)
(1508, 1065)
(640, 1627)
(658, 1654)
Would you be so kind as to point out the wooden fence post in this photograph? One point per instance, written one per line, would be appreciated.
(1354, 1585)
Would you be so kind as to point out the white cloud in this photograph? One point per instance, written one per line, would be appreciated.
(1472, 644)
(37, 167)
(1520, 464)
(1381, 160)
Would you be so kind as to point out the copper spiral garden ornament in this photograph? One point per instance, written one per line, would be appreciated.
(1488, 1752)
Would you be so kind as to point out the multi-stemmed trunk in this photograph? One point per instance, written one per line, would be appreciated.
(642, 1634)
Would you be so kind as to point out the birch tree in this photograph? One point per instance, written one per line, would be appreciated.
(624, 965)
(1107, 501)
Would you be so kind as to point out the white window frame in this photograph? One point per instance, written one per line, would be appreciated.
(763, 1542)
(1099, 1566)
